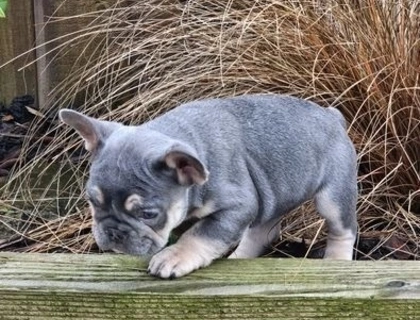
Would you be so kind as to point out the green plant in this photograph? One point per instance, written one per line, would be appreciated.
(3, 6)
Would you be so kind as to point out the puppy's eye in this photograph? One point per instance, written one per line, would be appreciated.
(149, 214)
(92, 201)
(95, 196)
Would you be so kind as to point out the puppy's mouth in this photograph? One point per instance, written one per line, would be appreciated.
(117, 251)
(139, 247)
(144, 247)
(143, 250)
(144, 242)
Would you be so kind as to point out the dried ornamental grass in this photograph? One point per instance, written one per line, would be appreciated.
(146, 57)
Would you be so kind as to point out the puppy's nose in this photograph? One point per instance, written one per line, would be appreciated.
(115, 234)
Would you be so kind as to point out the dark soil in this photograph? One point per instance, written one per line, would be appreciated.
(14, 122)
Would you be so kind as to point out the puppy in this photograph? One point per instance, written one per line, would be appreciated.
(237, 164)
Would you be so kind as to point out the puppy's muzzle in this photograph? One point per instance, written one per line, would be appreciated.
(115, 235)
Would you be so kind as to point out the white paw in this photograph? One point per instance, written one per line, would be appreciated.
(340, 248)
(175, 261)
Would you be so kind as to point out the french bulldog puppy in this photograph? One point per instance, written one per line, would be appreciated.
(238, 164)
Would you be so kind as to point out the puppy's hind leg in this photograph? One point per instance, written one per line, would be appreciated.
(256, 239)
(337, 204)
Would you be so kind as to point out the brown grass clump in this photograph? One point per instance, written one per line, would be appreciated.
(149, 56)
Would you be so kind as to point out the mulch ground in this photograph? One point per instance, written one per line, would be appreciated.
(14, 121)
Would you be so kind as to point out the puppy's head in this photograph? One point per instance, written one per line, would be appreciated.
(138, 183)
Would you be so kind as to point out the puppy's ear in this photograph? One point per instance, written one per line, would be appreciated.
(93, 131)
(189, 169)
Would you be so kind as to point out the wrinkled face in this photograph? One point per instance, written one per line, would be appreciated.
(138, 183)
(131, 215)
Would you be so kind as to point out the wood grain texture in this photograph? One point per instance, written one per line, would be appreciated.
(59, 286)
(16, 38)
(28, 24)
(62, 54)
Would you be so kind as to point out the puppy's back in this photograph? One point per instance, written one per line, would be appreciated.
(265, 124)
(285, 145)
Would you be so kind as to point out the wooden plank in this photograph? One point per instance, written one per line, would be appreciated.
(17, 37)
(60, 286)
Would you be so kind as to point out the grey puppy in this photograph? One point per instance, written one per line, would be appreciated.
(237, 164)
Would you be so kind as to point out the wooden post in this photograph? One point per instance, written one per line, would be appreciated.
(17, 37)
(41, 13)
(27, 26)
(60, 286)
(54, 67)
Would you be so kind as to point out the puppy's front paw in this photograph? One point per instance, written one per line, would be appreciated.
(176, 261)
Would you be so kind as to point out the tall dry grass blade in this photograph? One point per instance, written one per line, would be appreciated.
(145, 57)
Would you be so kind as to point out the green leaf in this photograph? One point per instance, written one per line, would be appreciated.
(3, 6)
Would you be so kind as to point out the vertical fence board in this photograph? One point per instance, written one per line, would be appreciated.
(55, 66)
(29, 23)
(17, 37)
(40, 8)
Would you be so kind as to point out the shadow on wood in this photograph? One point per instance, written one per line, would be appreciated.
(64, 286)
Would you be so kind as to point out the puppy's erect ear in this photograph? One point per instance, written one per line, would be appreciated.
(93, 131)
(189, 169)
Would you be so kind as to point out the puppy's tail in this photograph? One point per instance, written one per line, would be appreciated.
(338, 115)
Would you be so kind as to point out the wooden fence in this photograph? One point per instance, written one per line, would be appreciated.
(28, 26)
(17, 36)
(64, 286)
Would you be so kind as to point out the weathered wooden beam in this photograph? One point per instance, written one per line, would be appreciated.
(16, 38)
(60, 286)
